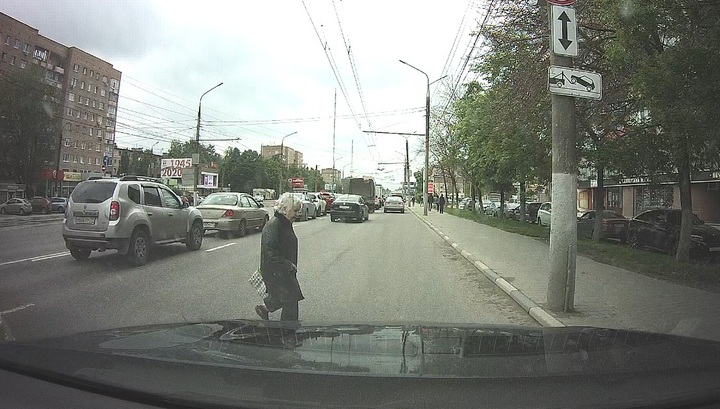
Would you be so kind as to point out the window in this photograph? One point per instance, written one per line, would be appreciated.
(93, 103)
(85, 70)
(152, 196)
(101, 106)
(71, 96)
(66, 157)
(87, 101)
(7, 40)
(4, 57)
(83, 145)
(170, 200)
(17, 43)
(92, 73)
(74, 158)
(77, 144)
(82, 159)
(67, 142)
(78, 114)
(92, 117)
(95, 89)
(69, 112)
(244, 202)
(97, 160)
(113, 83)
(134, 193)
(73, 82)
(102, 92)
(100, 133)
(108, 148)
(98, 147)
(104, 80)
(23, 64)
(82, 84)
(76, 68)
(89, 146)
(12, 60)
(26, 48)
(90, 132)
(100, 120)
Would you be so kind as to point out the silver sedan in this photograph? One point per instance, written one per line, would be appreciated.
(17, 206)
(232, 213)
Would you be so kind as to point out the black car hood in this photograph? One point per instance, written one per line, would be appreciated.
(179, 358)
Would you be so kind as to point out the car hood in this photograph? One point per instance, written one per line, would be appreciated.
(184, 360)
(707, 231)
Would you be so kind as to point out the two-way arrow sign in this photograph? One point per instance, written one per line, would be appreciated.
(564, 31)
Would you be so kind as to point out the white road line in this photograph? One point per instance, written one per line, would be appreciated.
(219, 247)
(36, 258)
(22, 307)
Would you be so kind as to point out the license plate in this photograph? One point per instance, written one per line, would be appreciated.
(206, 225)
(714, 248)
(85, 220)
(344, 207)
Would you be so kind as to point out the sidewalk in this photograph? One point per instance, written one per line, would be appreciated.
(605, 296)
(11, 220)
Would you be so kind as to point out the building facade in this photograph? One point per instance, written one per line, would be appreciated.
(89, 88)
(289, 155)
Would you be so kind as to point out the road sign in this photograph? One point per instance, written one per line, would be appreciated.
(564, 31)
(431, 188)
(574, 83)
(561, 2)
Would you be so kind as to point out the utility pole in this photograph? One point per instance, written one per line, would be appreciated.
(196, 156)
(352, 154)
(407, 167)
(334, 189)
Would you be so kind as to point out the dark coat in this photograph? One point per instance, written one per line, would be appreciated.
(278, 260)
(441, 201)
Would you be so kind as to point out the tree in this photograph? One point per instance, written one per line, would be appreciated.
(178, 150)
(30, 125)
(124, 168)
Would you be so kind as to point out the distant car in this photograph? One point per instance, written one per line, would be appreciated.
(308, 210)
(491, 208)
(543, 214)
(394, 204)
(131, 214)
(232, 213)
(531, 209)
(349, 207)
(16, 206)
(328, 199)
(659, 229)
(510, 209)
(40, 204)
(614, 225)
(320, 204)
(259, 198)
(58, 204)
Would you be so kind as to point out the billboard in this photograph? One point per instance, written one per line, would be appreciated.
(173, 168)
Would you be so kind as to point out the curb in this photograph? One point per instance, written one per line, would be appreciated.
(535, 311)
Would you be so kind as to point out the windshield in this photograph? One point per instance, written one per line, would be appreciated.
(452, 159)
(221, 199)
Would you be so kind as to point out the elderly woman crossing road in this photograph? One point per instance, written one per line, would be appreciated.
(278, 261)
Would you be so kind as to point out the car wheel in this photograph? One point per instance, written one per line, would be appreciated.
(61, 209)
(384, 210)
(21, 212)
(367, 216)
(402, 211)
(633, 241)
(2, 210)
(195, 237)
(241, 230)
(332, 219)
(317, 213)
(139, 250)
(80, 254)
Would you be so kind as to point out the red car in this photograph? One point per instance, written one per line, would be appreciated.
(328, 198)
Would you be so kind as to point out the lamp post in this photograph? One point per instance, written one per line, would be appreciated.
(427, 134)
(197, 144)
(282, 161)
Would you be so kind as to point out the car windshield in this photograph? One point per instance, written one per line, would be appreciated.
(221, 199)
(492, 192)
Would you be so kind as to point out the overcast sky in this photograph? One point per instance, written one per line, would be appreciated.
(274, 68)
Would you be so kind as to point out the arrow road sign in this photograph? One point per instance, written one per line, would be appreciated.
(564, 31)
(574, 83)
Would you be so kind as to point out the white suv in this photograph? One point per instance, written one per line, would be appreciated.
(130, 214)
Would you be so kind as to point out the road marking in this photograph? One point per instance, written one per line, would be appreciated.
(36, 258)
(219, 247)
(22, 307)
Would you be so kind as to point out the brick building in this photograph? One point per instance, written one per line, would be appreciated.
(290, 156)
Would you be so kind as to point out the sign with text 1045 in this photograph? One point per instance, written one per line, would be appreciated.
(173, 168)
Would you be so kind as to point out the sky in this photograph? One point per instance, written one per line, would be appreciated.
(281, 64)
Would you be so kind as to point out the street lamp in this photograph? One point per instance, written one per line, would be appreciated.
(197, 143)
(427, 134)
(56, 176)
(282, 161)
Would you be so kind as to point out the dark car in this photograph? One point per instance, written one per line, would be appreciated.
(40, 204)
(349, 207)
(614, 225)
(531, 209)
(659, 229)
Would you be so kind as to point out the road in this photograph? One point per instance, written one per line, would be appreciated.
(390, 269)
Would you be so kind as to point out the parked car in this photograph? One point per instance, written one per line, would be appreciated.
(58, 204)
(543, 214)
(232, 213)
(491, 208)
(329, 197)
(659, 229)
(394, 204)
(16, 206)
(349, 207)
(40, 204)
(320, 204)
(308, 209)
(614, 225)
(131, 214)
(510, 209)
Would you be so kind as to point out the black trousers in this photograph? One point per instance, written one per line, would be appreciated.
(290, 310)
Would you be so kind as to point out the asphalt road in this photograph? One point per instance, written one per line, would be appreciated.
(390, 269)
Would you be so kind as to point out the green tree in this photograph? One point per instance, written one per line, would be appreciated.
(178, 149)
(30, 125)
(124, 168)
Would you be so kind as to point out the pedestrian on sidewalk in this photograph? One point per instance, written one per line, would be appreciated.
(441, 202)
(278, 261)
(430, 202)
(412, 200)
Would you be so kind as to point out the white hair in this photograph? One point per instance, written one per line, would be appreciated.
(287, 202)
